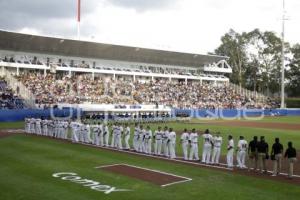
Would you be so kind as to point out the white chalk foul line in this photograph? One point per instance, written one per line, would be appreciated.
(186, 179)
(163, 158)
(157, 157)
(105, 166)
(177, 182)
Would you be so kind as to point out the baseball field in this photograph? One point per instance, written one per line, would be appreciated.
(33, 167)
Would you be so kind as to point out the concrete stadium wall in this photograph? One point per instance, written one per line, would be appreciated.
(234, 113)
(20, 115)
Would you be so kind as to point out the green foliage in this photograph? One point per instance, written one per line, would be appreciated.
(294, 73)
(293, 102)
(256, 60)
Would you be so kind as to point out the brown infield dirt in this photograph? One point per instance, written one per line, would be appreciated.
(155, 177)
(5, 134)
(253, 124)
(280, 178)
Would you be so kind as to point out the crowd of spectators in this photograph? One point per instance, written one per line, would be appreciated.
(8, 100)
(83, 88)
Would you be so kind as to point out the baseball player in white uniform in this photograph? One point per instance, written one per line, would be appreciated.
(207, 144)
(27, 126)
(106, 134)
(185, 143)
(119, 133)
(74, 128)
(166, 142)
(81, 132)
(38, 126)
(86, 133)
(44, 127)
(217, 141)
(241, 152)
(61, 129)
(172, 143)
(158, 141)
(194, 145)
(65, 129)
(96, 134)
(101, 134)
(32, 125)
(141, 139)
(136, 137)
(127, 137)
(113, 136)
(148, 141)
(230, 150)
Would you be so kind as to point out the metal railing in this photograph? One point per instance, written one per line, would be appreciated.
(248, 93)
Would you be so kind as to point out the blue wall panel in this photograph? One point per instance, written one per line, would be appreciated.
(235, 113)
(20, 115)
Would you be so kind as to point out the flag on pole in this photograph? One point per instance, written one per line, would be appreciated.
(78, 11)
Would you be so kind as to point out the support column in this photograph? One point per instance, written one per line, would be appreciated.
(45, 72)
(134, 78)
(2, 71)
(186, 81)
(93, 76)
(70, 74)
(114, 77)
(18, 71)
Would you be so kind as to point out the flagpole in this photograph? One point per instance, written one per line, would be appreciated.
(283, 58)
(78, 19)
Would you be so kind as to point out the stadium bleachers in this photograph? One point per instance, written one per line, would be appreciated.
(83, 88)
(8, 100)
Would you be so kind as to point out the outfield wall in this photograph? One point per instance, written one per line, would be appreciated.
(234, 113)
(20, 115)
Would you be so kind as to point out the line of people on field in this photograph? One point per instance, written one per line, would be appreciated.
(117, 135)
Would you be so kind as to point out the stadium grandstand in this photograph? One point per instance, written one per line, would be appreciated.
(99, 77)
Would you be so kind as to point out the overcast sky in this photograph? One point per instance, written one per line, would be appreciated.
(182, 25)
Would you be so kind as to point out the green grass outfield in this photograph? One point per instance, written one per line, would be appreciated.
(270, 134)
(27, 165)
(28, 162)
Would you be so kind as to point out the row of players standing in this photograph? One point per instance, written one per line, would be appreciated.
(164, 142)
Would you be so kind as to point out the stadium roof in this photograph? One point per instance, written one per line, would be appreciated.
(66, 47)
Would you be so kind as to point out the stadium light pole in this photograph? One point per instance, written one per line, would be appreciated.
(78, 19)
(283, 57)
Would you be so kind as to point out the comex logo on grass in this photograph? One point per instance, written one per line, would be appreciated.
(94, 185)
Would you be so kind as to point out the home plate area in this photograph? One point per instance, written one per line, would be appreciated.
(153, 176)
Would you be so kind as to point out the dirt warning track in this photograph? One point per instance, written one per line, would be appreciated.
(254, 124)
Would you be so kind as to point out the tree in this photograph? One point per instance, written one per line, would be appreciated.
(293, 74)
(265, 49)
(233, 45)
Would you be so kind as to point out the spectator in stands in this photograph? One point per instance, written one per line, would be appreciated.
(60, 88)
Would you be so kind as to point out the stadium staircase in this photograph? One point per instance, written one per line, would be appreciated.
(29, 98)
(248, 93)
